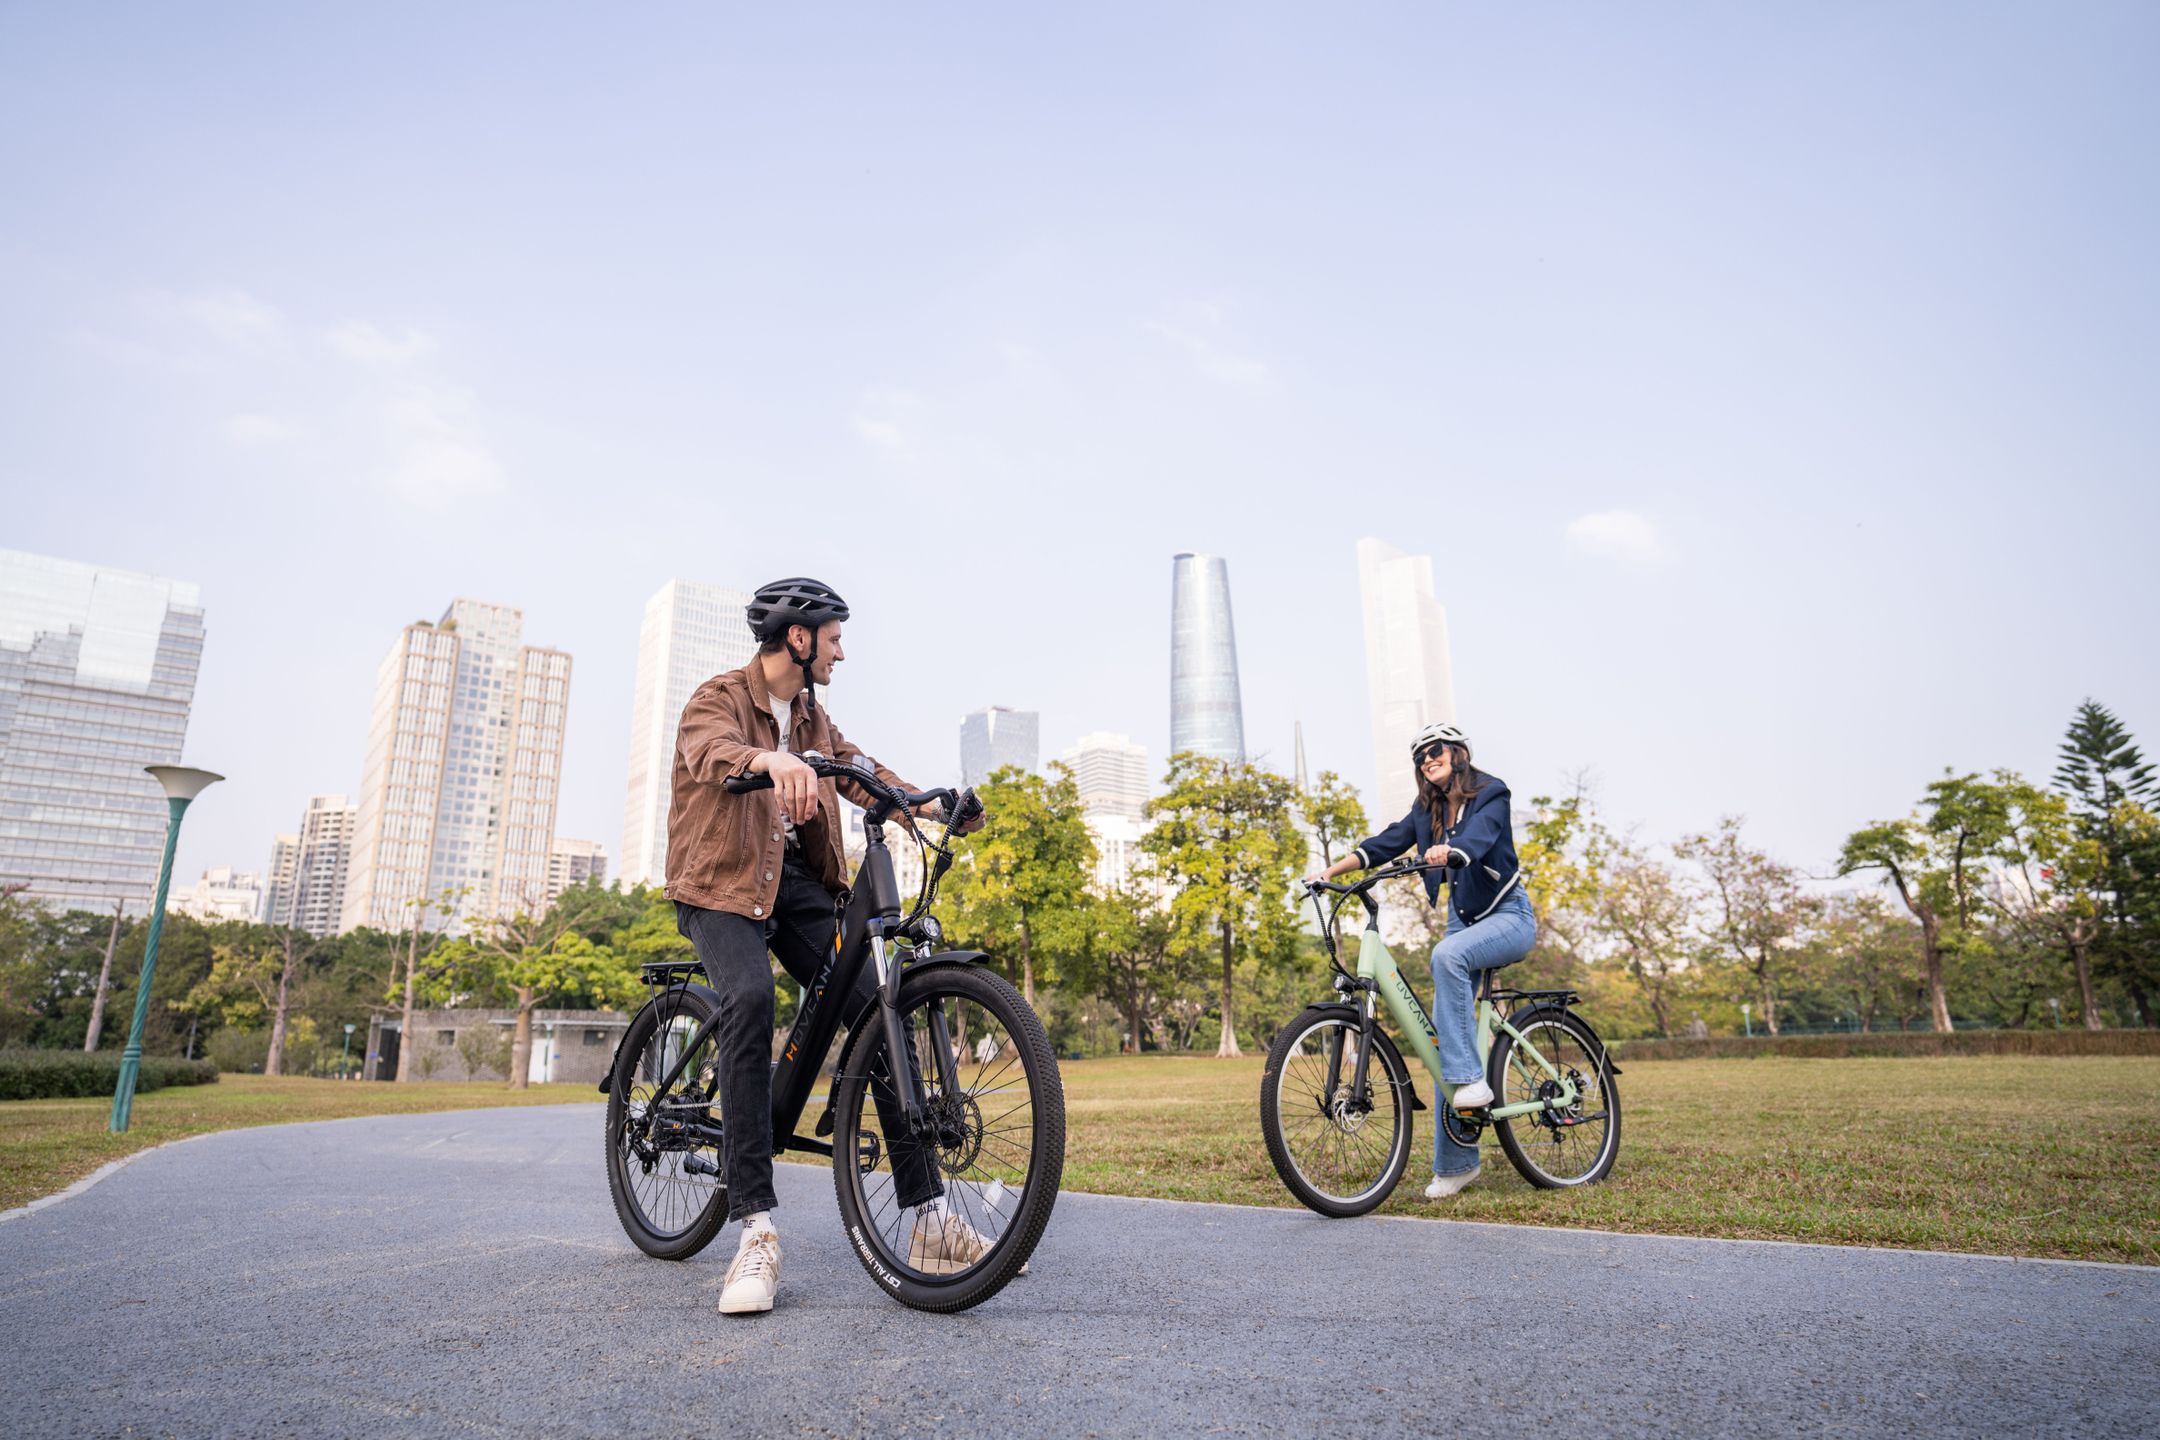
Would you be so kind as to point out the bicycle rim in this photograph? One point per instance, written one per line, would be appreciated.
(1558, 1149)
(650, 1149)
(1348, 1157)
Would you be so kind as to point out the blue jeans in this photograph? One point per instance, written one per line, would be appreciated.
(1463, 954)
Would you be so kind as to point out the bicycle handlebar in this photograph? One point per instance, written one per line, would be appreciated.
(956, 803)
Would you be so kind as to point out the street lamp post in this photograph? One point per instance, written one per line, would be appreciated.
(181, 786)
(345, 1060)
(1747, 1020)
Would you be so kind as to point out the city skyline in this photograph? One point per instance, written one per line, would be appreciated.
(1701, 391)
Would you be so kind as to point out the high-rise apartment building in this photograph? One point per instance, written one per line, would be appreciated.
(463, 771)
(97, 672)
(1408, 675)
(691, 633)
(995, 738)
(1206, 715)
(1111, 773)
(281, 882)
(573, 862)
(305, 888)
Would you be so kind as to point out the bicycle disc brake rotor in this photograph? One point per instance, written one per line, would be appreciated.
(958, 1123)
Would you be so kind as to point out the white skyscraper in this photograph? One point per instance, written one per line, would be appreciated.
(222, 893)
(464, 765)
(321, 866)
(97, 672)
(1111, 773)
(994, 738)
(573, 862)
(691, 633)
(281, 882)
(1408, 676)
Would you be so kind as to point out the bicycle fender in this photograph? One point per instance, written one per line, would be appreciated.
(607, 1081)
(1398, 1068)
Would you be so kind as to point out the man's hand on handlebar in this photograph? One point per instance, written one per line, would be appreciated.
(794, 782)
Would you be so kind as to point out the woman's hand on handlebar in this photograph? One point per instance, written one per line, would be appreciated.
(794, 782)
(1341, 867)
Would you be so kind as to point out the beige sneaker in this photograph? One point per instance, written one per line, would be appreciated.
(1444, 1186)
(944, 1245)
(754, 1276)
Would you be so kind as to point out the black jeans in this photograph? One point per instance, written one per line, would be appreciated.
(732, 950)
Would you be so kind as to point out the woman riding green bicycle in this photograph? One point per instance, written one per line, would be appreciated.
(1459, 821)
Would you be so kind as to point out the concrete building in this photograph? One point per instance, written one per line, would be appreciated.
(1117, 847)
(1409, 680)
(322, 865)
(1206, 714)
(994, 738)
(691, 632)
(573, 862)
(97, 673)
(572, 1047)
(463, 771)
(281, 882)
(221, 894)
(1111, 773)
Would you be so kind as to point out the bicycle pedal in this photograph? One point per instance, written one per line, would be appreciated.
(697, 1164)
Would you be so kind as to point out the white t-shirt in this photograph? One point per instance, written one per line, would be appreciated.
(782, 712)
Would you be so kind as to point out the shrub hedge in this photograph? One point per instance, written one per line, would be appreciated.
(1896, 1044)
(70, 1074)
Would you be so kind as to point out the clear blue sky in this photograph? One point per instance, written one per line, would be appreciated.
(1772, 385)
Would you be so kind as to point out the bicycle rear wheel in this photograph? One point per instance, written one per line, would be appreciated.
(998, 1154)
(1336, 1156)
(1557, 1149)
(669, 1210)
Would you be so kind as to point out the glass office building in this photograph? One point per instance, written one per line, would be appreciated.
(97, 672)
(691, 632)
(1206, 716)
(995, 738)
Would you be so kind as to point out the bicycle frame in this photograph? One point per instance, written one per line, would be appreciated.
(1376, 966)
(863, 936)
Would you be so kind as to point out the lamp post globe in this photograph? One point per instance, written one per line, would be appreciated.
(181, 784)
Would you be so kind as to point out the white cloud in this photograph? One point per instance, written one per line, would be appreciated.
(438, 455)
(881, 433)
(369, 344)
(886, 419)
(1618, 535)
(231, 315)
(1197, 331)
(252, 430)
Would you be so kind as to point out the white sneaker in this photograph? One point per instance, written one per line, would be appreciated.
(945, 1244)
(1444, 1186)
(754, 1276)
(1470, 1097)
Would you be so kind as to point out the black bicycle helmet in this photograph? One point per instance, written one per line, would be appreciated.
(798, 600)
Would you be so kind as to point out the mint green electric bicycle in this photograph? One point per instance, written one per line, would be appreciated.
(1336, 1098)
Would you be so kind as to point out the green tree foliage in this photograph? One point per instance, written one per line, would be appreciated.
(1758, 914)
(1016, 888)
(1226, 840)
(1936, 861)
(2113, 795)
(1333, 812)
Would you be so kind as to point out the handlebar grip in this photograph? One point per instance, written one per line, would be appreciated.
(744, 784)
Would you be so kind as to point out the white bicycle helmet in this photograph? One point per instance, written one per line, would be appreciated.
(1445, 732)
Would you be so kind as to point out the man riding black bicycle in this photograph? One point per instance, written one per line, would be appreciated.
(748, 871)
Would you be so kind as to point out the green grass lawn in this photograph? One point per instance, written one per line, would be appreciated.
(2007, 1155)
(2056, 1156)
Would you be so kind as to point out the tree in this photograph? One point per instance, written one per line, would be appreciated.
(1935, 862)
(1019, 883)
(1760, 912)
(1129, 935)
(251, 979)
(1649, 910)
(445, 904)
(535, 962)
(1334, 814)
(1864, 952)
(2055, 890)
(1226, 841)
(96, 1027)
(2112, 791)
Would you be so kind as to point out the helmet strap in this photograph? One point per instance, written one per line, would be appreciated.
(806, 661)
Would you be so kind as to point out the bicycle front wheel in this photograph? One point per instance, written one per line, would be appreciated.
(1338, 1155)
(945, 1221)
(1556, 1148)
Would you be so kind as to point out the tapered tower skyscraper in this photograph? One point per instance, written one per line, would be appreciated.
(1206, 715)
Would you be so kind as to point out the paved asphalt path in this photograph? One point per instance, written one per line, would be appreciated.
(464, 1275)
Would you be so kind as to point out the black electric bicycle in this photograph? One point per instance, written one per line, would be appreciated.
(978, 1102)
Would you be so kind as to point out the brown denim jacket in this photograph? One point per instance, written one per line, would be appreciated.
(724, 850)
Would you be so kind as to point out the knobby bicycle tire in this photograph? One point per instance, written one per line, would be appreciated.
(974, 1167)
(667, 1213)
